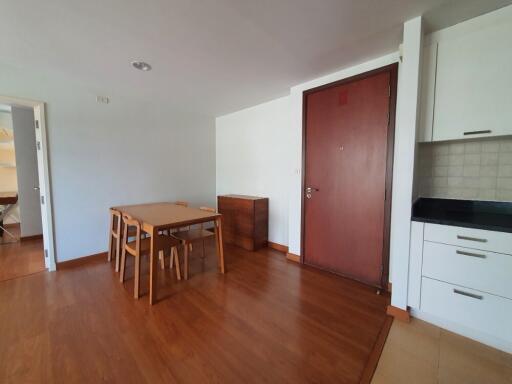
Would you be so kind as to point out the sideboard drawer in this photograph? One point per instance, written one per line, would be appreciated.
(500, 242)
(482, 270)
(468, 307)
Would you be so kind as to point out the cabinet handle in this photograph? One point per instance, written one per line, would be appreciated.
(472, 295)
(479, 255)
(460, 237)
(477, 132)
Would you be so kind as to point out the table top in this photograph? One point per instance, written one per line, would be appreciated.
(8, 198)
(167, 215)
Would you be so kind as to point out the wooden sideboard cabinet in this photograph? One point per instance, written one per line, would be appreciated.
(244, 220)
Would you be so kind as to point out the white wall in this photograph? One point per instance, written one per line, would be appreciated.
(132, 150)
(407, 118)
(253, 158)
(26, 170)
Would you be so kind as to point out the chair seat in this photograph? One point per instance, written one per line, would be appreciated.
(167, 242)
(145, 245)
(193, 234)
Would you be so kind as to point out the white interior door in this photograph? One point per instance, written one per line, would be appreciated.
(44, 187)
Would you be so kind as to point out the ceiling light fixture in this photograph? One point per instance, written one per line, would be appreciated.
(141, 65)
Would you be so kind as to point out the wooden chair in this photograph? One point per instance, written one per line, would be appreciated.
(116, 235)
(192, 235)
(169, 232)
(183, 204)
(142, 247)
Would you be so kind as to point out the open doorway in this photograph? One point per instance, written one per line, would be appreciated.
(26, 232)
(21, 232)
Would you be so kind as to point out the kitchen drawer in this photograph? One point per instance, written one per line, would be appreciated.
(484, 312)
(482, 270)
(500, 242)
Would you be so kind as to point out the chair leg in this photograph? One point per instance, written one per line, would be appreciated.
(185, 267)
(123, 266)
(110, 244)
(136, 286)
(175, 257)
(171, 257)
(204, 252)
(190, 247)
(118, 250)
(161, 256)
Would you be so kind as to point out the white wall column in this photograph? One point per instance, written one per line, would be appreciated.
(403, 168)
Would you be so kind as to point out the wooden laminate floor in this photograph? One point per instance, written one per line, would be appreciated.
(20, 258)
(267, 320)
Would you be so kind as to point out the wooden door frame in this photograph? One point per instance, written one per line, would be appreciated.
(45, 183)
(392, 69)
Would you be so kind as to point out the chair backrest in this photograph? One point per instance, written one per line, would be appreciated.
(129, 221)
(115, 224)
(182, 203)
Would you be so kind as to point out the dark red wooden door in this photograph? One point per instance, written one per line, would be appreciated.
(346, 137)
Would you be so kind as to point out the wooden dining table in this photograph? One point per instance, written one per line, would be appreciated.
(157, 217)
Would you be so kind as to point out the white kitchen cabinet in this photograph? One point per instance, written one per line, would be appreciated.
(466, 80)
(469, 237)
(459, 278)
(481, 270)
(488, 313)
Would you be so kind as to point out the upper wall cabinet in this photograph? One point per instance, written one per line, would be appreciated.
(467, 85)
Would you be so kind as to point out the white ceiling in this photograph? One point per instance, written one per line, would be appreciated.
(213, 56)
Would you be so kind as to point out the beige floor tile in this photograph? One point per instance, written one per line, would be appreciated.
(419, 352)
(462, 360)
(418, 339)
(507, 358)
(398, 365)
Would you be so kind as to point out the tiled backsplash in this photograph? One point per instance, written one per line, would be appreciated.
(477, 169)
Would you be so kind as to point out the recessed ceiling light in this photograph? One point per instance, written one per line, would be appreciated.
(141, 65)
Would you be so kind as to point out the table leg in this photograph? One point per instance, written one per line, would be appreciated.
(110, 243)
(185, 262)
(220, 246)
(118, 249)
(136, 286)
(153, 269)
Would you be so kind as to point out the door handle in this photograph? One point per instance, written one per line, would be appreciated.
(309, 191)
(36, 188)
(460, 237)
(477, 132)
(468, 294)
(472, 254)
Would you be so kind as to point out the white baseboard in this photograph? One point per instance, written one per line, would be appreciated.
(470, 333)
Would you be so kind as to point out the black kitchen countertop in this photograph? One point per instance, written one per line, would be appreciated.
(490, 215)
